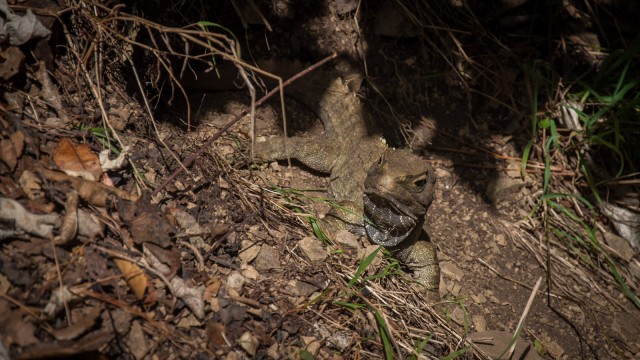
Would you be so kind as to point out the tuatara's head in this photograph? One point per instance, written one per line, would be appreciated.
(397, 193)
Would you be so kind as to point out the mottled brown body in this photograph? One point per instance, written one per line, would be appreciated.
(388, 191)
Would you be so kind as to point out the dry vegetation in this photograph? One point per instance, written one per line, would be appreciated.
(133, 228)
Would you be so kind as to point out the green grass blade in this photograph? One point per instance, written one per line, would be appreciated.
(363, 266)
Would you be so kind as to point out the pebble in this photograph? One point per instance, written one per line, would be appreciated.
(312, 249)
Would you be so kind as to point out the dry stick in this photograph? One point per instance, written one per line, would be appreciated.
(219, 133)
(523, 318)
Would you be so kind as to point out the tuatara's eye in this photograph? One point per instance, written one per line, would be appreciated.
(420, 182)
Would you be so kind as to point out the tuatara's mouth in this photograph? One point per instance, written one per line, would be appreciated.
(387, 222)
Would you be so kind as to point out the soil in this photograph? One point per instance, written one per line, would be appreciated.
(273, 289)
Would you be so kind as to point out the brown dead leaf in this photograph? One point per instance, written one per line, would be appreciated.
(9, 188)
(15, 329)
(69, 228)
(92, 192)
(79, 327)
(30, 184)
(215, 336)
(136, 279)
(77, 160)
(8, 154)
(17, 138)
(166, 261)
(149, 224)
(12, 59)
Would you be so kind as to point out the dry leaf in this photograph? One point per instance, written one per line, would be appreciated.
(90, 191)
(79, 327)
(17, 138)
(134, 276)
(39, 225)
(69, 228)
(78, 160)
(8, 154)
(12, 59)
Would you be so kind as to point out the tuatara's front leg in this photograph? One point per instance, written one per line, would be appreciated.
(421, 258)
(318, 154)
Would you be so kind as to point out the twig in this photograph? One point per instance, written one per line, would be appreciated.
(523, 318)
(219, 133)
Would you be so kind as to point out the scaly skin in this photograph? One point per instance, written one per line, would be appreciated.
(387, 191)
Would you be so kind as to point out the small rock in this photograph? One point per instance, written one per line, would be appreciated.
(136, 341)
(479, 322)
(454, 288)
(340, 340)
(312, 249)
(620, 246)
(451, 270)
(300, 288)
(272, 352)
(493, 343)
(235, 281)
(626, 326)
(501, 240)
(268, 258)
(306, 340)
(248, 343)
(346, 239)
(250, 272)
(555, 350)
(503, 187)
(458, 315)
(313, 347)
(479, 299)
(189, 321)
(249, 251)
(392, 22)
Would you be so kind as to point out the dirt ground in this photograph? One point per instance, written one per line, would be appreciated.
(256, 282)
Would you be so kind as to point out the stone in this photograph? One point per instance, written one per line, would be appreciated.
(458, 316)
(451, 270)
(249, 343)
(312, 249)
(300, 288)
(249, 251)
(235, 281)
(347, 240)
(620, 246)
(492, 344)
(502, 188)
(268, 258)
(479, 323)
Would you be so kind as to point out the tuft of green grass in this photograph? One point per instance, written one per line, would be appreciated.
(603, 142)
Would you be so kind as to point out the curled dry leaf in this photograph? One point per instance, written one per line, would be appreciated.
(77, 160)
(134, 276)
(50, 92)
(94, 193)
(115, 164)
(69, 228)
(31, 185)
(192, 296)
(39, 225)
(59, 297)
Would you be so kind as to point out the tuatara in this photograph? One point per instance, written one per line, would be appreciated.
(388, 191)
